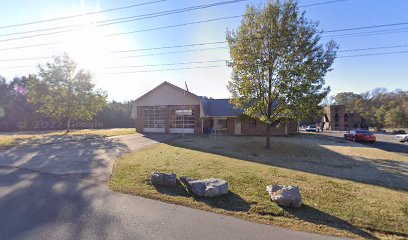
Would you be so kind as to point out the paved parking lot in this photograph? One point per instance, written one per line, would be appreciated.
(384, 142)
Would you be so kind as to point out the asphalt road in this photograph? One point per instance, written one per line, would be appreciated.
(39, 199)
(384, 141)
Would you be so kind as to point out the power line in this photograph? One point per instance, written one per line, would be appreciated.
(121, 8)
(367, 27)
(167, 64)
(172, 52)
(322, 3)
(23, 59)
(173, 26)
(135, 18)
(212, 66)
(369, 33)
(373, 54)
(32, 45)
(167, 47)
(167, 69)
(373, 48)
(80, 15)
(116, 20)
(133, 56)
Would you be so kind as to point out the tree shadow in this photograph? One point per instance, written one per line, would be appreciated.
(315, 216)
(42, 188)
(307, 155)
(43, 204)
(90, 158)
(55, 188)
(230, 201)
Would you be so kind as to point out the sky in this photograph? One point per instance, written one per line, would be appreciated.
(127, 75)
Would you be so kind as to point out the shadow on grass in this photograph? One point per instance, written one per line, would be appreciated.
(230, 202)
(315, 216)
(307, 153)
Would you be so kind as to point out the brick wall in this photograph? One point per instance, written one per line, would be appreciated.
(249, 127)
(139, 120)
(231, 126)
(292, 126)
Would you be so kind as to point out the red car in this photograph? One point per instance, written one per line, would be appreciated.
(360, 135)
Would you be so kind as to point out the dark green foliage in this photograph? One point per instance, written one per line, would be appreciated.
(59, 93)
(380, 107)
(65, 93)
(116, 115)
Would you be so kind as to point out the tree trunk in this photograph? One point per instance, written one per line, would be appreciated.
(68, 126)
(268, 136)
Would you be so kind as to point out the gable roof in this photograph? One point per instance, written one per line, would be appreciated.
(220, 108)
(171, 85)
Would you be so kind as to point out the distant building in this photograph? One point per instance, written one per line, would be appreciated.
(337, 118)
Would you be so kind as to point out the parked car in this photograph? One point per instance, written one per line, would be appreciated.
(402, 138)
(360, 135)
(311, 128)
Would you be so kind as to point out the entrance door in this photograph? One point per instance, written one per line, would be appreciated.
(237, 127)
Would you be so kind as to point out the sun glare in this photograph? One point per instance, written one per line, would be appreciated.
(87, 46)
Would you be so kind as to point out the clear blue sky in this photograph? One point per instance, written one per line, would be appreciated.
(92, 50)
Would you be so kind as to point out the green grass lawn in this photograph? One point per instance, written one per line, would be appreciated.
(336, 200)
(12, 139)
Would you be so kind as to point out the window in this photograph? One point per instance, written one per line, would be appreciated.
(253, 123)
(181, 117)
(336, 117)
(153, 117)
(220, 123)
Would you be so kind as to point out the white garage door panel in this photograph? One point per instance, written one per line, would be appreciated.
(180, 130)
(154, 130)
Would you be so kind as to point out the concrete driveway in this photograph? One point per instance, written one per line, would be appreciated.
(89, 158)
(54, 191)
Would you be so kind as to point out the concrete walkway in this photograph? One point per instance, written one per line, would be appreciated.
(55, 191)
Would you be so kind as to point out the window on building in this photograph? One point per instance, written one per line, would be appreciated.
(220, 123)
(336, 117)
(182, 117)
(153, 117)
(346, 117)
(253, 123)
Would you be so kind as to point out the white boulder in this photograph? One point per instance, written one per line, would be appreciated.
(206, 187)
(285, 196)
(164, 179)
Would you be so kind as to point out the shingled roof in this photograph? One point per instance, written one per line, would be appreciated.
(219, 108)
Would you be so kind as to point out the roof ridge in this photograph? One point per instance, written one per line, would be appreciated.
(169, 84)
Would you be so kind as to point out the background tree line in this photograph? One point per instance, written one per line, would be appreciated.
(381, 108)
(17, 113)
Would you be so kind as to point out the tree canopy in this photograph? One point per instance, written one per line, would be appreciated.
(278, 63)
(379, 107)
(65, 93)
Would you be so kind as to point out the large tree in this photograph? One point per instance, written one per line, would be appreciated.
(65, 93)
(277, 62)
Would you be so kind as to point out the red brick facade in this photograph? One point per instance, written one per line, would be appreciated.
(248, 126)
(251, 127)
